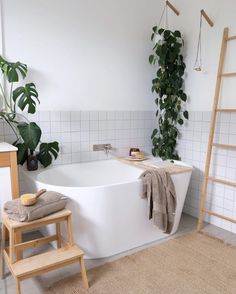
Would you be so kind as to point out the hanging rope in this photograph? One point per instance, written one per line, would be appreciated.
(162, 15)
(198, 61)
(167, 22)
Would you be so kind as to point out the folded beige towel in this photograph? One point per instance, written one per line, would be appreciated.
(48, 203)
(159, 189)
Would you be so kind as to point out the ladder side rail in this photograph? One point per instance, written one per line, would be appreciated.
(212, 128)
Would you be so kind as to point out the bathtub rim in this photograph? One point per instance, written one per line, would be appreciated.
(34, 174)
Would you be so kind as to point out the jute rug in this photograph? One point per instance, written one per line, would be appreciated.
(192, 264)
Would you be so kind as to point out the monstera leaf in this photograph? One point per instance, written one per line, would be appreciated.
(21, 153)
(47, 151)
(27, 96)
(13, 70)
(30, 133)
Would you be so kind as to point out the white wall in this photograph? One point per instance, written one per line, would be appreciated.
(92, 55)
(84, 55)
(201, 85)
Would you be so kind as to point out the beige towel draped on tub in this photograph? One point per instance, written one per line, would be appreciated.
(159, 189)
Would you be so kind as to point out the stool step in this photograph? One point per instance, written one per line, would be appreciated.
(42, 263)
(50, 219)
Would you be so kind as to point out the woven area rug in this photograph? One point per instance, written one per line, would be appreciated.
(191, 264)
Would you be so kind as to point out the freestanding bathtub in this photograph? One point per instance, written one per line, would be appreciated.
(108, 213)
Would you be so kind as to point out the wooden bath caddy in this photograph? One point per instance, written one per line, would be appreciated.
(24, 268)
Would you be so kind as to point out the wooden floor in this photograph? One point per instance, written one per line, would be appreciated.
(188, 224)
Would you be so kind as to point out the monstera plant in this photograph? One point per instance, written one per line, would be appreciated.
(168, 85)
(14, 101)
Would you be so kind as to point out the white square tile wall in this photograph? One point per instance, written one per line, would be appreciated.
(77, 132)
(192, 149)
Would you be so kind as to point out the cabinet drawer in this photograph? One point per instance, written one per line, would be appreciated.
(5, 159)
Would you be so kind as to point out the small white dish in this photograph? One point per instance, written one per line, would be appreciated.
(135, 159)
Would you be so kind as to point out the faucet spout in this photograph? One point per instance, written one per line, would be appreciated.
(107, 148)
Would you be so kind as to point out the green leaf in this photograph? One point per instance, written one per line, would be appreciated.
(167, 34)
(154, 29)
(151, 59)
(154, 133)
(154, 141)
(153, 152)
(47, 151)
(21, 153)
(180, 121)
(183, 97)
(30, 133)
(27, 96)
(185, 114)
(160, 31)
(177, 34)
(13, 70)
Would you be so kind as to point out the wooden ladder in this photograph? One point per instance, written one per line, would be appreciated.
(211, 143)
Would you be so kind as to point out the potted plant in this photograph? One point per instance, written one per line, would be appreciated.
(168, 85)
(24, 98)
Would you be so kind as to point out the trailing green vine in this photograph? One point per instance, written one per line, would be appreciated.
(168, 85)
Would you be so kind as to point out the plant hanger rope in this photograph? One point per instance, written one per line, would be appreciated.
(198, 61)
(165, 12)
(162, 15)
(167, 22)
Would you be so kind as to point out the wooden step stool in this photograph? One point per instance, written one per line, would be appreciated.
(24, 268)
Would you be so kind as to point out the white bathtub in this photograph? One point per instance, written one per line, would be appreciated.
(109, 215)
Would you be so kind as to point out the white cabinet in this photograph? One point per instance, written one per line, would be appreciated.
(9, 187)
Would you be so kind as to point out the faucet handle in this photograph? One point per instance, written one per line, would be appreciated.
(107, 147)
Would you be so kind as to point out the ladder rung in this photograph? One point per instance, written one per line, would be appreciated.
(220, 215)
(221, 181)
(229, 74)
(226, 109)
(231, 38)
(224, 146)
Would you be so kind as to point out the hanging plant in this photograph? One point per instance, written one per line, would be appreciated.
(25, 98)
(168, 85)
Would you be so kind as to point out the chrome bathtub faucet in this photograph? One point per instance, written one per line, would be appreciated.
(102, 147)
